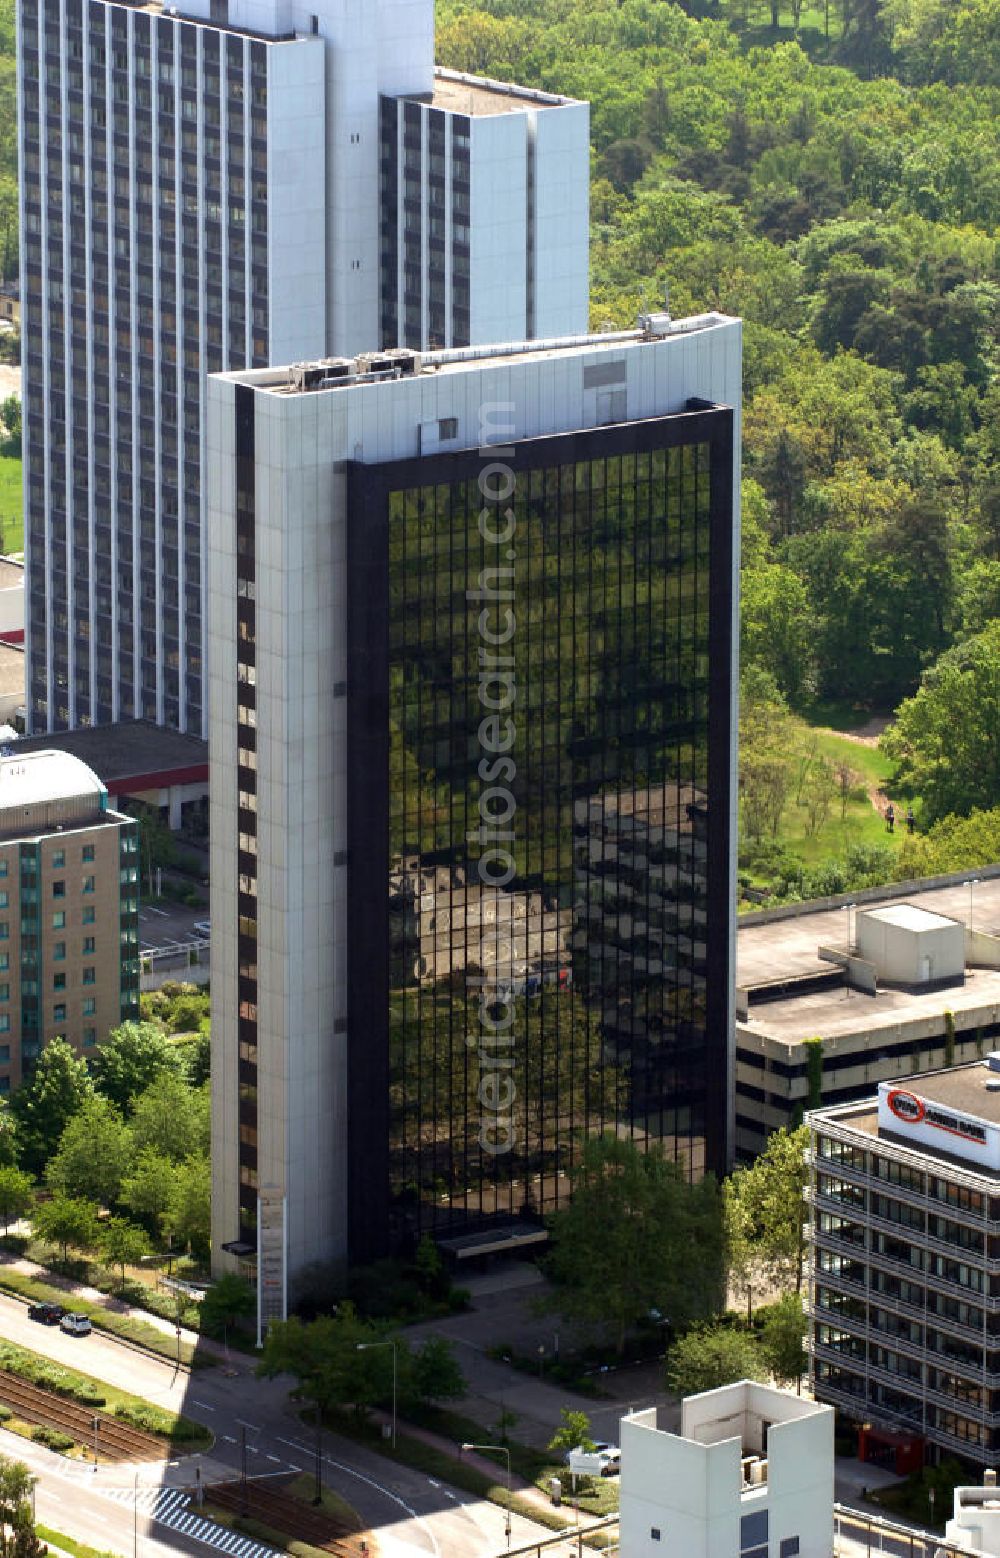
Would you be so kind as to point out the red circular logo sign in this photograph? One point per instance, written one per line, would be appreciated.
(906, 1106)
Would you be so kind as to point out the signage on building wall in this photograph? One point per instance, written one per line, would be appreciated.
(272, 1281)
(906, 1106)
(912, 1110)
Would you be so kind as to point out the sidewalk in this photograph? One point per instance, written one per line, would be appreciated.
(495, 1469)
(113, 1305)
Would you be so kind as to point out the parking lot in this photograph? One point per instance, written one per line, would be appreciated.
(164, 925)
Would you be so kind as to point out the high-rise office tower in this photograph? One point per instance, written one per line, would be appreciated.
(211, 186)
(472, 648)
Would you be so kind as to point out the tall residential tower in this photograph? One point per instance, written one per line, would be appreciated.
(472, 650)
(215, 185)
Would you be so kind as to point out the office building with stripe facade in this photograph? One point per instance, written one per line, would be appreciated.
(204, 188)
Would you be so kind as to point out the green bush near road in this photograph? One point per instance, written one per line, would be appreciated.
(90, 1392)
(52, 1438)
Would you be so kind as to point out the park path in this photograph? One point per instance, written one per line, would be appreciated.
(866, 735)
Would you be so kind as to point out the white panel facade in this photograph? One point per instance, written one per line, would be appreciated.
(296, 187)
(560, 218)
(498, 228)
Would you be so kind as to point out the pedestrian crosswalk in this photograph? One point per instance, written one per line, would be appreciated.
(172, 1508)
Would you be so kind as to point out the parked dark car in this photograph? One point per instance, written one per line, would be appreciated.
(47, 1314)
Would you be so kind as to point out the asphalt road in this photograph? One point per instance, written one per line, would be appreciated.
(412, 1515)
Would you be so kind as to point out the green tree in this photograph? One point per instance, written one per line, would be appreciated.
(8, 1135)
(636, 1236)
(188, 1217)
(710, 1356)
(122, 1244)
(768, 1196)
(171, 1118)
(43, 1106)
(10, 418)
(130, 1060)
(748, 1270)
(434, 1373)
(15, 1195)
(229, 1300)
(778, 628)
(68, 1222)
(148, 1189)
(323, 1357)
(573, 1432)
(782, 1337)
(17, 1533)
(94, 1154)
(945, 741)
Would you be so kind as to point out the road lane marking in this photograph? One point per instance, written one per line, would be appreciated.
(380, 1488)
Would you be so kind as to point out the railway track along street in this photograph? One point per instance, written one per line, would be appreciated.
(116, 1440)
(281, 1511)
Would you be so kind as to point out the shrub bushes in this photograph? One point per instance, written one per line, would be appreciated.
(52, 1438)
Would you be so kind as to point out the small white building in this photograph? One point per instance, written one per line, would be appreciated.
(975, 1525)
(910, 945)
(750, 1475)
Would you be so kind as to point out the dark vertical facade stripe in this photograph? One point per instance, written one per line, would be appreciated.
(246, 780)
(368, 865)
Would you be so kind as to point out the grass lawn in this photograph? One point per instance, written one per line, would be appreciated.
(11, 505)
(856, 823)
(304, 1486)
(861, 823)
(69, 1544)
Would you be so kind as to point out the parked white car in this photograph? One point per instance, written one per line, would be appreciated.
(76, 1325)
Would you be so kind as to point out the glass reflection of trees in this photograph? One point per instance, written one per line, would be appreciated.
(609, 660)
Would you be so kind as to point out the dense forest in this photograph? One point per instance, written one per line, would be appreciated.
(833, 176)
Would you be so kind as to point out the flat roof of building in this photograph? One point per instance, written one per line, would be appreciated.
(134, 754)
(909, 916)
(479, 97)
(962, 1088)
(771, 950)
(328, 376)
(29, 779)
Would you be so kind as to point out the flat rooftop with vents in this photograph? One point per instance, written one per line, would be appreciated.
(879, 981)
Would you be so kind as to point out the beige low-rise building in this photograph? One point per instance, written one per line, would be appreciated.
(69, 910)
(895, 982)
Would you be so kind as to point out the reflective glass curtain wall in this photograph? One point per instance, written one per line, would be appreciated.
(539, 792)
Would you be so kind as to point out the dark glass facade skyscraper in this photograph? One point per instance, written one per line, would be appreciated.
(552, 717)
(472, 890)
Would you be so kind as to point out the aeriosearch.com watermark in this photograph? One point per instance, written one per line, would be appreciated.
(497, 807)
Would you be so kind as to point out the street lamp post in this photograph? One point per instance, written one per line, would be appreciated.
(497, 1449)
(366, 1347)
(95, 1424)
(970, 884)
(850, 907)
(318, 1467)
